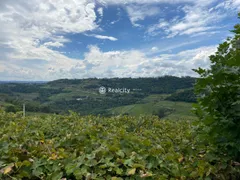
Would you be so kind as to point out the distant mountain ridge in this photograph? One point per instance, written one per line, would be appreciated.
(24, 82)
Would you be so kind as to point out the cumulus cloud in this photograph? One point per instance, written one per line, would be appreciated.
(97, 63)
(136, 64)
(27, 24)
(32, 28)
(179, 64)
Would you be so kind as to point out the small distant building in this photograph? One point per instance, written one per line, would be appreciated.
(81, 98)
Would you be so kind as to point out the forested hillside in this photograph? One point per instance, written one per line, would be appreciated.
(82, 95)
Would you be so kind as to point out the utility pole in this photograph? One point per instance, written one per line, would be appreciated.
(24, 110)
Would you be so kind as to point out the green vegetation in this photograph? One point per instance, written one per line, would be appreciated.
(77, 147)
(155, 103)
(218, 92)
(185, 95)
(10, 108)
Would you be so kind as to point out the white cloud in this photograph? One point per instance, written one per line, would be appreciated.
(230, 5)
(50, 17)
(154, 29)
(158, 50)
(53, 44)
(154, 49)
(100, 64)
(136, 64)
(198, 19)
(100, 11)
(119, 13)
(236, 3)
(27, 24)
(182, 63)
(137, 13)
(195, 30)
(30, 22)
(126, 2)
(102, 37)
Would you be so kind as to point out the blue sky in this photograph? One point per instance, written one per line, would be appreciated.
(48, 40)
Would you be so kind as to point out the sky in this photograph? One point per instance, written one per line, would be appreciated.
(43, 40)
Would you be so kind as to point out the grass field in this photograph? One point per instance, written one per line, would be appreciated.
(154, 102)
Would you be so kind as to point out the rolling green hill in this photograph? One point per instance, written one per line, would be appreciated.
(146, 96)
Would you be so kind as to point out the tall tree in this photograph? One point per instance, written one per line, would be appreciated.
(218, 91)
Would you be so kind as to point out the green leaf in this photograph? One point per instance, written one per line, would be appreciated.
(120, 153)
(132, 171)
(56, 176)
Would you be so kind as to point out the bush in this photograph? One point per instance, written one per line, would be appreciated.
(10, 108)
(161, 113)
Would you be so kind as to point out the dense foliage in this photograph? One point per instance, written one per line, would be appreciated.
(218, 92)
(75, 147)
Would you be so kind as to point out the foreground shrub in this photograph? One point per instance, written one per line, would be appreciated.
(75, 147)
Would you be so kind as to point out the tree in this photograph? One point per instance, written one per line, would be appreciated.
(10, 108)
(161, 113)
(218, 91)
